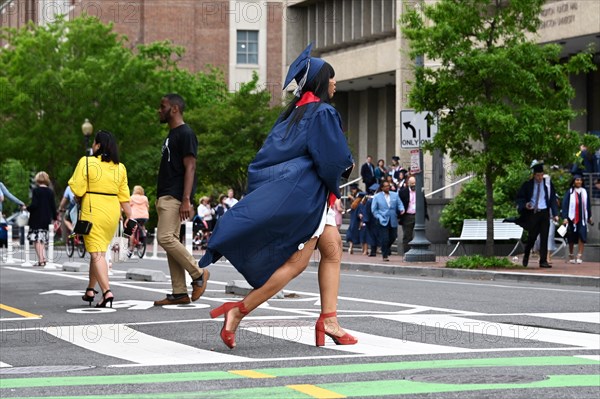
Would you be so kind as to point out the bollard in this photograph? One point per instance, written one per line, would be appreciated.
(155, 245)
(9, 246)
(50, 265)
(189, 237)
(27, 262)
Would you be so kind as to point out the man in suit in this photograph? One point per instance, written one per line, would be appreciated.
(367, 172)
(386, 207)
(535, 202)
(408, 196)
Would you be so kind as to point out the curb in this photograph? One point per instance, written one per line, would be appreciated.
(424, 271)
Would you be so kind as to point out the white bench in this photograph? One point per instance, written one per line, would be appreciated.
(476, 230)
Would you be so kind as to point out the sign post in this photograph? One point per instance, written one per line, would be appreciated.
(413, 125)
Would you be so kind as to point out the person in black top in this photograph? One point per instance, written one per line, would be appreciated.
(367, 172)
(42, 212)
(176, 185)
(535, 202)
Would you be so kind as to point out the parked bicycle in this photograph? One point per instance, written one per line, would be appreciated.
(75, 241)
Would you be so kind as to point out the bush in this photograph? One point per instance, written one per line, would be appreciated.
(481, 262)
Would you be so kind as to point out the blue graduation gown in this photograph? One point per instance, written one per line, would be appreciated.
(288, 184)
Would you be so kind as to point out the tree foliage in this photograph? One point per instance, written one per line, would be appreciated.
(52, 77)
(233, 130)
(505, 98)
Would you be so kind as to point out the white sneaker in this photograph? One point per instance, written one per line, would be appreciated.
(579, 260)
(571, 260)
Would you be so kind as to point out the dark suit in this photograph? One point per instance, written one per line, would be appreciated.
(367, 172)
(536, 222)
(408, 220)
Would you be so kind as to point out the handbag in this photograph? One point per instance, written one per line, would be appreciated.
(83, 227)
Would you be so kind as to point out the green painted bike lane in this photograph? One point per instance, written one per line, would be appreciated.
(328, 390)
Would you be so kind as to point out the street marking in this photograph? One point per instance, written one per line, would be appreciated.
(487, 328)
(251, 374)
(586, 317)
(590, 357)
(408, 387)
(125, 343)
(368, 344)
(315, 392)
(303, 371)
(20, 312)
(2, 364)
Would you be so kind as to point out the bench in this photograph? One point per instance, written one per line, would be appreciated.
(476, 230)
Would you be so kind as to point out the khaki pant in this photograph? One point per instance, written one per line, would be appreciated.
(179, 259)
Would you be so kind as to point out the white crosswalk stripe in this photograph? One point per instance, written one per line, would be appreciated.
(123, 342)
(514, 331)
(368, 344)
(128, 344)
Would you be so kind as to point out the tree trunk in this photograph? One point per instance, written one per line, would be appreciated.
(489, 211)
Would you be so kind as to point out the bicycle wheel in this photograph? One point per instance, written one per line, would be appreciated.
(70, 246)
(140, 248)
(81, 248)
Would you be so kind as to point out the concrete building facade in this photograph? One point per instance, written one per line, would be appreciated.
(361, 39)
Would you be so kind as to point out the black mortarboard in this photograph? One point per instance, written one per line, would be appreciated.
(538, 168)
(303, 69)
(354, 185)
(396, 158)
(577, 176)
(361, 194)
(374, 187)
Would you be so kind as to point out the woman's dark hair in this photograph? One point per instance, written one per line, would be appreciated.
(108, 147)
(319, 85)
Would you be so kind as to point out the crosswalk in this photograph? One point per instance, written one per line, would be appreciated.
(406, 334)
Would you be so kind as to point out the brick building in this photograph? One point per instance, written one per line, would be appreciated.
(236, 36)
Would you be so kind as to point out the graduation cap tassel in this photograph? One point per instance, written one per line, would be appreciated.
(302, 81)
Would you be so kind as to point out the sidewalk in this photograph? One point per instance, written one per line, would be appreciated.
(584, 274)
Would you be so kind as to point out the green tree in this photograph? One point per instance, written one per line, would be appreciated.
(232, 130)
(505, 98)
(52, 77)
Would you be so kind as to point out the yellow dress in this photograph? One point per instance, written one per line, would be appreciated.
(107, 189)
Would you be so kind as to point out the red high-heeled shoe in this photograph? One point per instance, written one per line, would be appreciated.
(227, 336)
(320, 333)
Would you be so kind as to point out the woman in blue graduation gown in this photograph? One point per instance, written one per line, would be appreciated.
(270, 234)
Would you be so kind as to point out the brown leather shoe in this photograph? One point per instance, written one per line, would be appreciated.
(199, 285)
(172, 300)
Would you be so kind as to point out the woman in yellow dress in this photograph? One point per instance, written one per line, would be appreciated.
(100, 182)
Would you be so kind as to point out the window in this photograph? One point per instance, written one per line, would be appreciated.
(247, 47)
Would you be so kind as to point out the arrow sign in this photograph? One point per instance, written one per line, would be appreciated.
(409, 125)
(133, 305)
(63, 292)
(417, 128)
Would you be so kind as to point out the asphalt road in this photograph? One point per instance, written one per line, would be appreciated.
(418, 338)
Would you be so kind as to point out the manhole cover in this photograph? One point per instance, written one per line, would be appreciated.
(476, 378)
(41, 369)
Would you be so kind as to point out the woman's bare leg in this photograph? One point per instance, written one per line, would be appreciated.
(100, 272)
(295, 265)
(330, 246)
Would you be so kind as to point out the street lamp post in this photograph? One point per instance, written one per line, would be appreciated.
(419, 246)
(87, 128)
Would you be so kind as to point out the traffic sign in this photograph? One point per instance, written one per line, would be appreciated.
(416, 128)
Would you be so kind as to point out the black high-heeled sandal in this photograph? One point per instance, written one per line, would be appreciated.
(105, 300)
(89, 298)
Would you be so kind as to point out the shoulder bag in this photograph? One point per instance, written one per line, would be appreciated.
(83, 227)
